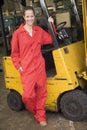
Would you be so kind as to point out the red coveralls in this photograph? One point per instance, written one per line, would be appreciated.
(26, 52)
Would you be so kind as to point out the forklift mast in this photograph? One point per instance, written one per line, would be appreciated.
(84, 8)
(74, 9)
(45, 11)
(75, 13)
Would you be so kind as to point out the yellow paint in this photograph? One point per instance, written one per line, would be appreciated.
(70, 69)
(65, 80)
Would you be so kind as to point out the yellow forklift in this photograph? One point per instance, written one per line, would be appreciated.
(66, 62)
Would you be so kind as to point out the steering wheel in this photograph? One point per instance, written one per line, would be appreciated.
(61, 25)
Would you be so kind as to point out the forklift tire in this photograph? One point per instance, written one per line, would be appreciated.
(73, 105)
(14, 101)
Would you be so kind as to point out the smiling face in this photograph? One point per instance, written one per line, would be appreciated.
(29, 17)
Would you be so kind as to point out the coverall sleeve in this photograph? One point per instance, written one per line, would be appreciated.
(15, 54)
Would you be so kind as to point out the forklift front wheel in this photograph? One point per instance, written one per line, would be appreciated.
(14, 101)
(73, 104)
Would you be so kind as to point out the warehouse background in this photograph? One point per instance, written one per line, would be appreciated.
(11, 120)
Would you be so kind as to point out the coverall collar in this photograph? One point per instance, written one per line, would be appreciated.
(21, 28)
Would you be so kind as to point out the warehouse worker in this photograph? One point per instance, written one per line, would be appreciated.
(27, 58)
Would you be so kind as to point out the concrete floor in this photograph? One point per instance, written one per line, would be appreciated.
(24, 120)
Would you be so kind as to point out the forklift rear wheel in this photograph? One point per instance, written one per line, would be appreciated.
(14, 101)
(73, 105)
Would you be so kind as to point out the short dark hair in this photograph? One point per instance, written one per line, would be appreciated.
(28, 8)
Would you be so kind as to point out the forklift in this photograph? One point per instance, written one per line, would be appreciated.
(66, 63)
